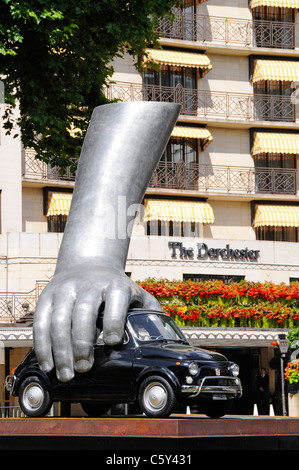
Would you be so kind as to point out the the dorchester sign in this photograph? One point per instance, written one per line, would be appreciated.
(202, 251)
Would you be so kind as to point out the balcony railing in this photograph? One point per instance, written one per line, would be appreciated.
(224, 179)
(19, 306)
(209, 104)
(37, 169)
(230, 31)
(14, 306)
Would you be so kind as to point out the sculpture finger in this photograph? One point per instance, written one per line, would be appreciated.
(41, 331)
(61, 337)
(84, 329)
(150, 302)
(117, 303)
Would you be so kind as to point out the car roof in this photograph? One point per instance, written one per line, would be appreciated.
(144, 311)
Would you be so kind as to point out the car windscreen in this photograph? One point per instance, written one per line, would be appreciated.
(151, 326)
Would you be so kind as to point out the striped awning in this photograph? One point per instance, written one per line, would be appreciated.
(179, 59)
(275, 70)
(274, 3)
(178, 211)
(275, 143)
(193, 133)
(276, 216)
(59, 203)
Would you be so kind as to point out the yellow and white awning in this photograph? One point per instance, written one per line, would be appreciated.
(274, 3)
(275, 70)
(276, 216)
(200, 133)
(59, 203)
(275, 143)
(178, 211)
(179, 59)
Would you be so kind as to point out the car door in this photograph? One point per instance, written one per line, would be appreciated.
(110, 377)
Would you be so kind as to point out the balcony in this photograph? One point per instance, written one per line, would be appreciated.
(38, 170)
(229, 31)
(224, 179)
(212, 105)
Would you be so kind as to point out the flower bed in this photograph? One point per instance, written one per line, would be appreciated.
(213, 303)
(291, 372)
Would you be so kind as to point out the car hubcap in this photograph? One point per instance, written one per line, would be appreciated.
(33, 396)
(155, 396)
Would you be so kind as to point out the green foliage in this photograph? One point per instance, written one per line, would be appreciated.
(55, 58)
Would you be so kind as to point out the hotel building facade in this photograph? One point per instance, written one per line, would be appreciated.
(223, 200)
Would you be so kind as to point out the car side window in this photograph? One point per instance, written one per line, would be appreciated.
(100, 340)
(142, 333)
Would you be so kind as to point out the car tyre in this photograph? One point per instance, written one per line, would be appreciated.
(156, 397)
(34, 397)
(218, 409)
(93, 409)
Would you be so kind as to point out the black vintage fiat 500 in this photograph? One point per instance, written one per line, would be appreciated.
(154, 368)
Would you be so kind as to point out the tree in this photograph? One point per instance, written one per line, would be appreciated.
(55, 58)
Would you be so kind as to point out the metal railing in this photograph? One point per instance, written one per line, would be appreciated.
(18, 306)
(229, 31)
(15, 305)
(209, 104)
(192, 176)
(35, 168)
(224, 179)
(11, 412)
(14, 411)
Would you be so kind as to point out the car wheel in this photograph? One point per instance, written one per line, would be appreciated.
(34, 397)
(94, 409)
(218, 409)
(156, 397)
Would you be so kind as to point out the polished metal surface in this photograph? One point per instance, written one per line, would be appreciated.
(122, 147)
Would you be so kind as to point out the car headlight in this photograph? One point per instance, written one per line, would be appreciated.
(193, 368)
(234, 369)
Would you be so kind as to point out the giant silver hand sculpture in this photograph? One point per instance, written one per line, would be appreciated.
(122, 147)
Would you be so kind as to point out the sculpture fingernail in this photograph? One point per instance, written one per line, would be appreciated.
(65, 374)
(83, 365)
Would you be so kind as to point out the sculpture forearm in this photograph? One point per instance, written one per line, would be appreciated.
(108, 190)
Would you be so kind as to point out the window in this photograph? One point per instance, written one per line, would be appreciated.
(275, 173)
(173, 229)
(277, 234)
(273, 27)
(226, 278)
(184, 24)
(178, 165)
(57, 204)
(56, 223)
(272, 101)
(173, 84)
(181, 149)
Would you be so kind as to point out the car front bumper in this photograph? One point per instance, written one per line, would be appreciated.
(221, 386)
